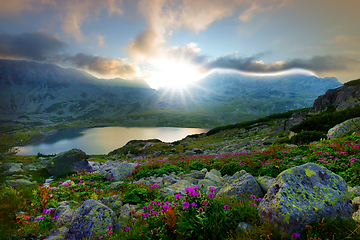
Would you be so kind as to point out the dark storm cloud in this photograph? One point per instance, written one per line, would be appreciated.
(31, 46)
(254, 64)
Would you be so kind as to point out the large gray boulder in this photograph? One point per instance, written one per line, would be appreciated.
(303, 194)
(12, 168)
(93, 220)
(349, 126)
(68, 162)
(121, 171)
(242, 187)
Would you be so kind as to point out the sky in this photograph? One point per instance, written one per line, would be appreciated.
(174, 42)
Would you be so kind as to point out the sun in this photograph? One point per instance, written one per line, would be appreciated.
(173, 74)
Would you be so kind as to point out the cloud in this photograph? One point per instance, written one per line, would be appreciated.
(318, 64)
(164, 15)
(76, 12)
(342, 40)
(102, 65)
(31, 46)
(16, 7)
(101, 40)
(189, 53)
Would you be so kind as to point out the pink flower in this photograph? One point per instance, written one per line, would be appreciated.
(295, 235)
(194, 204)
(146, 215)
(185, 205)
(212, 189)
(178, 196)
(226, 207)
(127, 229)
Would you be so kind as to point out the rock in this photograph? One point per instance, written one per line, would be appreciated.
(67, 183)
(244, 226)
(179, 187)
(349, 126)
(18, 182)
(68, 162)
(242, 188)
(65, 212)
(356, 203)
(356, 216)
(60, 234)
(91, 220)
(214, 177)
(265, 182)
(116, 184)
(303, 194)
(125, 211)
(113, 202)
(123, 170)
(12, 168)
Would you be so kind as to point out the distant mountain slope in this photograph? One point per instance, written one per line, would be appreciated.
(33, 91)
(233, 98)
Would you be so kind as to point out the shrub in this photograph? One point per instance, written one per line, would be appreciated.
(307, 137)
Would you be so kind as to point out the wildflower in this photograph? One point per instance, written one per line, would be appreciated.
(56, 217)
(254, 204)
(155, 213)
(201, 209)
(47, 211)
(109, 233)
(295, 235)
(41, 218)
(185, 205)
(194, 204)
(212, 189)
(133, 221)
(110, 226)
(211, 195)
(127, 229)
(132, 211)
(146, 215)
(226, 207)
(253, 196)
(205, 203)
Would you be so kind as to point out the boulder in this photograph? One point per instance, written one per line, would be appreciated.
(303, 194)
(67, 163)
(349, 126)
(122, 170)
(18, 182)
(214, 177)
(265, 182)
(93, 220)
(60, 234)
(12, 168)
(242, 187)
(65, 212)
(179, 187)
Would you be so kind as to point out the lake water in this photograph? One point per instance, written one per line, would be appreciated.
(102, 140)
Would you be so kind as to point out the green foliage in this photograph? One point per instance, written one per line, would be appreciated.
(353, 83)
(159, 171)
(136, 196)
(250, 124)
(324, 121)
(197, 165)
(307, 137)
(230, 168)
(39, 155)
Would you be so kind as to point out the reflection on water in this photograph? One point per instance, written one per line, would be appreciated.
(102, 140)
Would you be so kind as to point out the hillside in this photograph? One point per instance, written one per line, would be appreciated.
(33, 93)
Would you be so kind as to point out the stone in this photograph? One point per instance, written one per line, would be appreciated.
(265, 182)
(207, 183)
(123, 170)
(113, 202)
(349, 126)
(244, 226)
(18, 182)
(242, 188)
(67, 163)
(356, 216)
(214, 177)
(198, 174)
(12, 168)
(116, 184)
(65, 212)
(356, 203)
(125, 211)
(303, 194)
(91, 220)
(179, 187)
(60, 234)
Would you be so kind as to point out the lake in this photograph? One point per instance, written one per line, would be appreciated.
(102, 140)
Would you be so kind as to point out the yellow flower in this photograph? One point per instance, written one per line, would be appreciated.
(52, 162)
(94, 196)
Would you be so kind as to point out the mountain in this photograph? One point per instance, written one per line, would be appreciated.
(232, 97)
(33, 91)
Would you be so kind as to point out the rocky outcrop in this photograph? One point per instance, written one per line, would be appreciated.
(304, 194)
(342, 98)
(68, 162)
(349, 126)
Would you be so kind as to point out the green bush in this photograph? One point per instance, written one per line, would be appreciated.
(307, 137)
(197, 165)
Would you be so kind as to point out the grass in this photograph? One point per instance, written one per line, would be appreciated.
(218, 219)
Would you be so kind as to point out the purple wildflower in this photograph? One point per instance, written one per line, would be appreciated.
(186, 205)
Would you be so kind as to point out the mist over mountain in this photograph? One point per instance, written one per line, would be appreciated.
(33, 91)
(46, 93)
